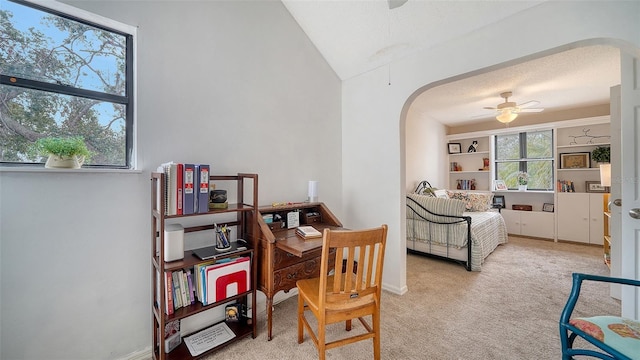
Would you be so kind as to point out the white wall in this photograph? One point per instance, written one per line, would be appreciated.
(368, 99)
(425, 151)
(234, 84)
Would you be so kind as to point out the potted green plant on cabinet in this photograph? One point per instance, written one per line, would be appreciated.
(523, 180)
(601, 154)
(63, 152)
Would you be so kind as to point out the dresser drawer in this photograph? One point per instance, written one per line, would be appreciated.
(283, 259)
(285, 278)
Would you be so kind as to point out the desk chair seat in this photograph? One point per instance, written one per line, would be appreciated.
(616, 337)
(351, 291)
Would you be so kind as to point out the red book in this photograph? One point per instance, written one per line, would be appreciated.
(168, 294)
(179, 187)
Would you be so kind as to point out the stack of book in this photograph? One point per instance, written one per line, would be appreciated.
(180, 290)
(187, 188)
(308, 232)
(208, 282)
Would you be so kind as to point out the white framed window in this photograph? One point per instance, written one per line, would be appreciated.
(65, 72)
(530, 152)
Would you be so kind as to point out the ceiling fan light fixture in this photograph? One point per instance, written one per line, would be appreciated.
(506, 116)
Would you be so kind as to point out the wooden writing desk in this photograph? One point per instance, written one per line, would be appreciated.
(284, 257)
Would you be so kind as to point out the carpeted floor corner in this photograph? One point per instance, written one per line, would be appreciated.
(509, 310)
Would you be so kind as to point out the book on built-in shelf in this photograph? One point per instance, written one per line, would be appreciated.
(566, 186)
(308, 232)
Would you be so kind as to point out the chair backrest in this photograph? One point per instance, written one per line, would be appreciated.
(359, 257)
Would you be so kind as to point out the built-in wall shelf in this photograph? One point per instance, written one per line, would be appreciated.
(471, 153)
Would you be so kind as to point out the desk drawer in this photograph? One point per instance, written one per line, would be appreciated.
(285, 279)
(282, 259)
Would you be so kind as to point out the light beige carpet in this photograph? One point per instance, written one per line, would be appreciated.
(509, 310)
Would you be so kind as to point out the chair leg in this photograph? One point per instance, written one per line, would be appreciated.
(375, 318)
(322, 342)
(300, 315)
(348, 325)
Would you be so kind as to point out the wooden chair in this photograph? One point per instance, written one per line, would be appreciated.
(618, 338)
(351, 291)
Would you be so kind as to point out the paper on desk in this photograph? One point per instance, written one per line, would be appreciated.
(208, 338)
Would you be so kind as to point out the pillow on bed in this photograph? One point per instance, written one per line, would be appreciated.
(473, 201)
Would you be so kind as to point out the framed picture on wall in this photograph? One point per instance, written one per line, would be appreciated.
(455, 148)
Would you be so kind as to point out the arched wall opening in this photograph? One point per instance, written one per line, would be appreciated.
(423, 139)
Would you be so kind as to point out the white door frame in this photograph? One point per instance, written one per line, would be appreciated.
(630, 180)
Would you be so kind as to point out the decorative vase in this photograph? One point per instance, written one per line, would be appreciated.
(522, 187)
(55, 161)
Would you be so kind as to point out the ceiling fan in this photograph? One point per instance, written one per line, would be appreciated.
(509, 110)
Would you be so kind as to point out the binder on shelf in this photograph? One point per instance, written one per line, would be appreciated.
(227, 279)
(202, 191)
(179, 188)
(188, 202)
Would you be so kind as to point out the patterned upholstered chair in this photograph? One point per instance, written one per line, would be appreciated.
(614, 336)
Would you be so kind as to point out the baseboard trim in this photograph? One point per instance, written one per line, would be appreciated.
(139, 355)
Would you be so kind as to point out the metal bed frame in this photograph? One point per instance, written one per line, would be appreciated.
(412, 205)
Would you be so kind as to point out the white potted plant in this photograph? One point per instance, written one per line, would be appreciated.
(63, 152)
(523, 180)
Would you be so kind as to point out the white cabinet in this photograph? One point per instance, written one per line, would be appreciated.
(580, 217)
(529, 223)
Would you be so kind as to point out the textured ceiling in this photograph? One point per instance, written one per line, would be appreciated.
(571, 79)
(356, 36)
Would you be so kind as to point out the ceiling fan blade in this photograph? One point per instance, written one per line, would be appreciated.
(490, 108)
(528, 104)
(531, 110)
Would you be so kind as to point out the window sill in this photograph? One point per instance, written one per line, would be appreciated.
(38, 169)
(525, 192)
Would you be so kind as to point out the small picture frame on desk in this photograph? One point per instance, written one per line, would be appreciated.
(498, 201)
(499, 185)
(548, 207)
(455, 148)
